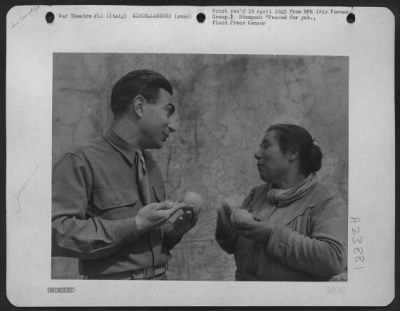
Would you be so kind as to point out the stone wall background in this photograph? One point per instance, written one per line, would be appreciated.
(224, 104)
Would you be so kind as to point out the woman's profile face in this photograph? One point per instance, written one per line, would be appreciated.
(272, 163)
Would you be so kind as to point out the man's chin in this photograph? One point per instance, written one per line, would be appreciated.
(155, 145)
(158, 145)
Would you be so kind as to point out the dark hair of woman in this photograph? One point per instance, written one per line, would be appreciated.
(296, 138)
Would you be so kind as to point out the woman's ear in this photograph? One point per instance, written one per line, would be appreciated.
(137, 106)
(293, 155)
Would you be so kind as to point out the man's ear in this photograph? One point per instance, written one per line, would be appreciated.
(137, 105)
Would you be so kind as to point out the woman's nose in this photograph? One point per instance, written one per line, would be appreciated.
(257, 155)
(171, 128)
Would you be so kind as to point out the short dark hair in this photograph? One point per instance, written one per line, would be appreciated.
(138, 82)
(296, 138)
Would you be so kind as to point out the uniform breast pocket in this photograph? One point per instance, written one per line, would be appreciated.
(116, 204)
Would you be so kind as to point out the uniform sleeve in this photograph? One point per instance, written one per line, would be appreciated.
(226, 238)
(74, 235)
(324, 252)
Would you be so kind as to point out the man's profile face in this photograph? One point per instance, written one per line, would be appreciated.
(156, 121)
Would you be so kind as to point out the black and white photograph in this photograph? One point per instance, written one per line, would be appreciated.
(200, 156)
(200, 167)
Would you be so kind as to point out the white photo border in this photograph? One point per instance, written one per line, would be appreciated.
(369, 44)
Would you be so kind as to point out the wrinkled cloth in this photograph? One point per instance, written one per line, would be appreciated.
(308, 241)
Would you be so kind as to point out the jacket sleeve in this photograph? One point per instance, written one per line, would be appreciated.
(324, 252)
(226, 237)
(73, 234)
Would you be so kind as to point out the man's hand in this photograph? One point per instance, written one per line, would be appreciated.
(252, 228)
(179, 224)
(154, 214)
(182, 224)
(191, 206)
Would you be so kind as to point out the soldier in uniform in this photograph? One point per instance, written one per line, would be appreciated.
(108, 198)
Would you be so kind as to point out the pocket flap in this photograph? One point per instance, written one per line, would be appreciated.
(106, 199)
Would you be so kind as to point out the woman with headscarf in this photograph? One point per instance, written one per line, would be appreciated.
(292, 227)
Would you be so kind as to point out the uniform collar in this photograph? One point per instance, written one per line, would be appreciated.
(121, 145)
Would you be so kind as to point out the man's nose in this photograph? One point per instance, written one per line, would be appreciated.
(257, 155)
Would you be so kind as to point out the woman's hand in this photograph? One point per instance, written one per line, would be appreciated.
(250, 227)
(225, 210)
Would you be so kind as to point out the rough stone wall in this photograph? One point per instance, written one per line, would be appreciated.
(224, 104)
